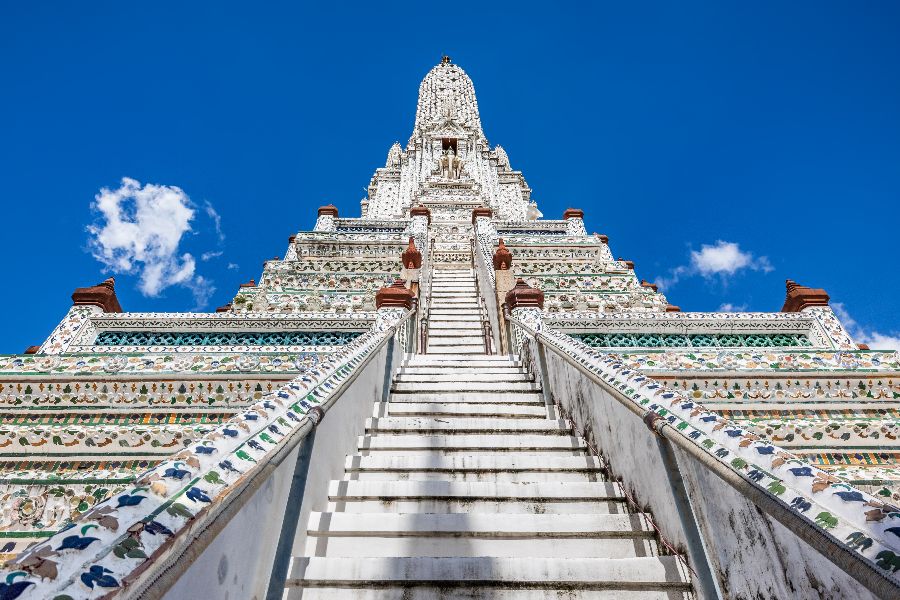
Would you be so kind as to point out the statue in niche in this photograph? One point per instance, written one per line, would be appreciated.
(450, 164)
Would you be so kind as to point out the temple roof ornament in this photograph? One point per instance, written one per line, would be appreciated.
(393, 157)
(799, 297)
(411, 257)
(420, 211)
(395, 295)
(481, 211)
(524, 296)
(328, 210)
(103, 295)
(502, 257)
(447, 95)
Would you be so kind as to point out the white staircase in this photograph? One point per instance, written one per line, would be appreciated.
(454, 321)
(466, 485)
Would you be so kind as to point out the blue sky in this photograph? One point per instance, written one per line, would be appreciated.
(723, 147)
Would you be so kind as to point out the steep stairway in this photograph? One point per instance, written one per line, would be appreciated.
(454, 321)
(467, 485)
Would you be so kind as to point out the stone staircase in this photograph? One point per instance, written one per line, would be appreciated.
(454, 321)
(467, 485)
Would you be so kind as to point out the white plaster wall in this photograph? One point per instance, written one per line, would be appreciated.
(752, 555)
(238, 563)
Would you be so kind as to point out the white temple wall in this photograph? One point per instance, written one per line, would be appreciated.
(742, 543)
(238, 562)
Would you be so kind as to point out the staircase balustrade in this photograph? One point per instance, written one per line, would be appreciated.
(487, 297)
(228, 503)
(761, 501)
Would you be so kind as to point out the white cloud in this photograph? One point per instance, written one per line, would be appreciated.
(216, 218)
(860, 334)
(233, 266)
(210, 255)
(729, 307)
(140, 231)
(726, 258)
(722, 259)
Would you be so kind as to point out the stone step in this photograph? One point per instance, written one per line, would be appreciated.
(451, 365)
(517, 477)
(497, 443)
(497, 358)
(562, 491)
(464, 592)
(499, 374)
(471, 317)
(445, 464)
(455, 325)
(436, 375)
(465, 386)
(438, 324)
(441, 305)
(477, 398)
(475, 350)
(438, 409)
(445, 339)
(435, 577)
(464, 535)
(464, 426)
(454, 329)
(452, 309)
(453, 317)
(438, 294)
(487, 409)
(470, 397)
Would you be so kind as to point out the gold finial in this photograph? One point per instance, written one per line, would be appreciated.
(445, 60)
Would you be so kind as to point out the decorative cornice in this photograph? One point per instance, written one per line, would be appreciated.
(481, 211)
(799, 297)
(420, 211)
(573, 213)
(524, 296)
(395, 295)
(648, 285)
(411, 257)
(329, 210)
(103, 295)
(502, 257)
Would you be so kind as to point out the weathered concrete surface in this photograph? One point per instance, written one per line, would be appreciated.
(238, 563)
(742, 543)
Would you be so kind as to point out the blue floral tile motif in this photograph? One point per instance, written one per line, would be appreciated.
(98, 575)
(12, 589)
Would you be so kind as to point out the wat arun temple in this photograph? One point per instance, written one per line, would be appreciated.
(450, 396)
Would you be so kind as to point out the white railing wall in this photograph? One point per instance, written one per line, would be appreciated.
(753, 520)
(226, 513)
